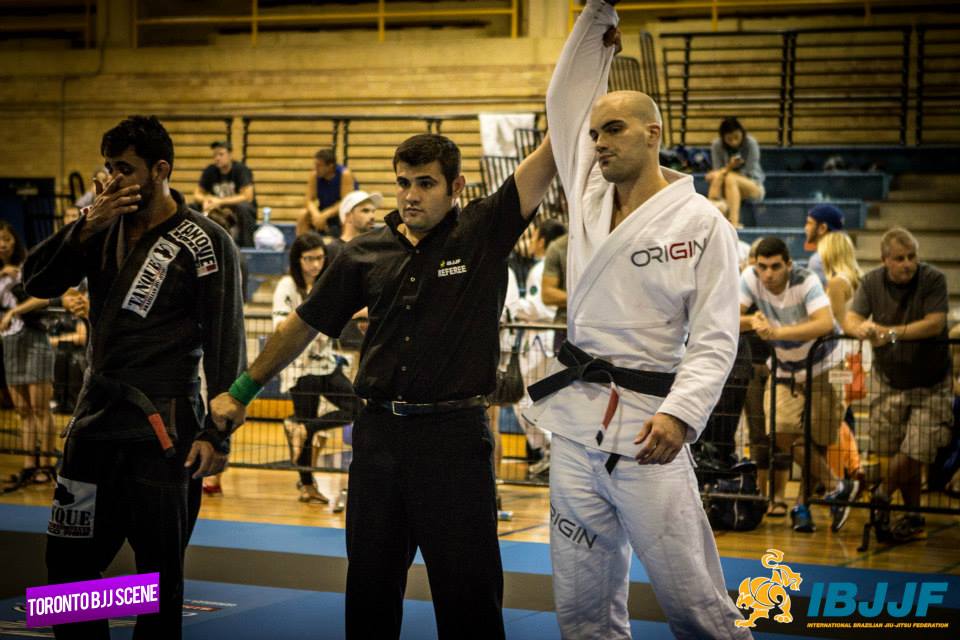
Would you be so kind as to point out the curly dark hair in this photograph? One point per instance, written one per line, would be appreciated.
(145, 134)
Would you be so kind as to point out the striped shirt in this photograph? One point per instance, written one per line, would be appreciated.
(802, 296)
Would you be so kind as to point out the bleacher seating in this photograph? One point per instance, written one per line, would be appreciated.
(820, 185)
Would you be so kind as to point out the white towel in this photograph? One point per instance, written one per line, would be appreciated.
(496, 132)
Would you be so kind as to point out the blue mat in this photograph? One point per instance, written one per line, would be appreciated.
(518, 557)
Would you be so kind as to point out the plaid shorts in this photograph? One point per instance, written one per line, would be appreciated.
(916, 422)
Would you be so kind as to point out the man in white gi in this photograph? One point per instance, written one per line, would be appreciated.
(652, 280)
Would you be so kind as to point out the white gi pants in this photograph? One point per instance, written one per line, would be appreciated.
(597, 517)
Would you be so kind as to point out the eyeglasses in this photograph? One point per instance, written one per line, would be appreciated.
(311, 258)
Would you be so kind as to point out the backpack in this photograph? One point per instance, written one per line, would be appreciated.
(726, 514)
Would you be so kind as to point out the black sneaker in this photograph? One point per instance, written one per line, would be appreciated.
(846, 492)
(909, 527)
(880, 518)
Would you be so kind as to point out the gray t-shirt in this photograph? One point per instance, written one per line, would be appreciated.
(555, 265)
(907, 364)
(750, 152)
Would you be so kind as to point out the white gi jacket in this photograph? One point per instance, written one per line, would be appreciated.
(659, 293)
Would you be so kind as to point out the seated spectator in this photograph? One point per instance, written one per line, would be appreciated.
(736, 174)
(27, 362)
(898, 308)
(793, 312)
(821, 220)
(228, 183)
(327, 185)
(357, 215)
(317, 372)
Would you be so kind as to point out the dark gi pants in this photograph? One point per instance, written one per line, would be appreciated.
(428, 482)
(306, 400)
(139, 496)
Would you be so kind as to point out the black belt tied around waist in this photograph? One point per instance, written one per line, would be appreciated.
(425, 408)
(101, 390)
(582, 366)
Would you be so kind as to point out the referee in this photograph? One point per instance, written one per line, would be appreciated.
(433, 279)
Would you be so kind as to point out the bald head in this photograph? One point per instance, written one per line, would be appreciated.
(626, 128)
(639, 105)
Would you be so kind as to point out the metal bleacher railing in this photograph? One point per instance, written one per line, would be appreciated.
(794, 85)
(259, 18)
(280, 147)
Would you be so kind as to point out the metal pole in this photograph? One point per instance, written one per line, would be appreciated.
(381, 21)
(255, 14)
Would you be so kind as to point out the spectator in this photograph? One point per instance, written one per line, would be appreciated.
(536, 343)
(899, 307)
(553, 285)
(317, 372)
(225, 217)
(793, 312)
(358, 211)
(843, 276)
(753, 402)
(229, 183)
(821, 220)
(69, 339)
(736, 174)
(85, 200)
(327, 185)
(27, 361)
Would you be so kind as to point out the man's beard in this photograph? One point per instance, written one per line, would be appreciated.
(147, 192)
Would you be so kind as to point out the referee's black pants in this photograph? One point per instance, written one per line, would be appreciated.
(136, 495)
(423, 482)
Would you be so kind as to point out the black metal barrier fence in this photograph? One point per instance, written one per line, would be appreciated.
(848, 415)
(898, 435)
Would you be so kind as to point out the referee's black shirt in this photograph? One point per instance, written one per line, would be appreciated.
(434, 307)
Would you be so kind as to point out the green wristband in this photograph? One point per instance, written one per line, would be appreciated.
(244, 389)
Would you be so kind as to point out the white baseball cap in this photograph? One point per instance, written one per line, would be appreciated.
(354, 198)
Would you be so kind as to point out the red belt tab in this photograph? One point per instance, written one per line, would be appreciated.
(612, 404)
(160, 430)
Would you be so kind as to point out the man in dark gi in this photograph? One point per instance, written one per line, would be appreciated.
(164, 289)
(434, 280)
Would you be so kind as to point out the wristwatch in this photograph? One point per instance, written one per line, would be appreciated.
(892, 335)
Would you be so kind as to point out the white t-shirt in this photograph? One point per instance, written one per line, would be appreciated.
(318, 358)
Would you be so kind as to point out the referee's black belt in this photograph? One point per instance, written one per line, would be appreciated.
(582, 366)
(424, 408)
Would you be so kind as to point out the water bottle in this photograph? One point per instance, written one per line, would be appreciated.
(266, 215)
